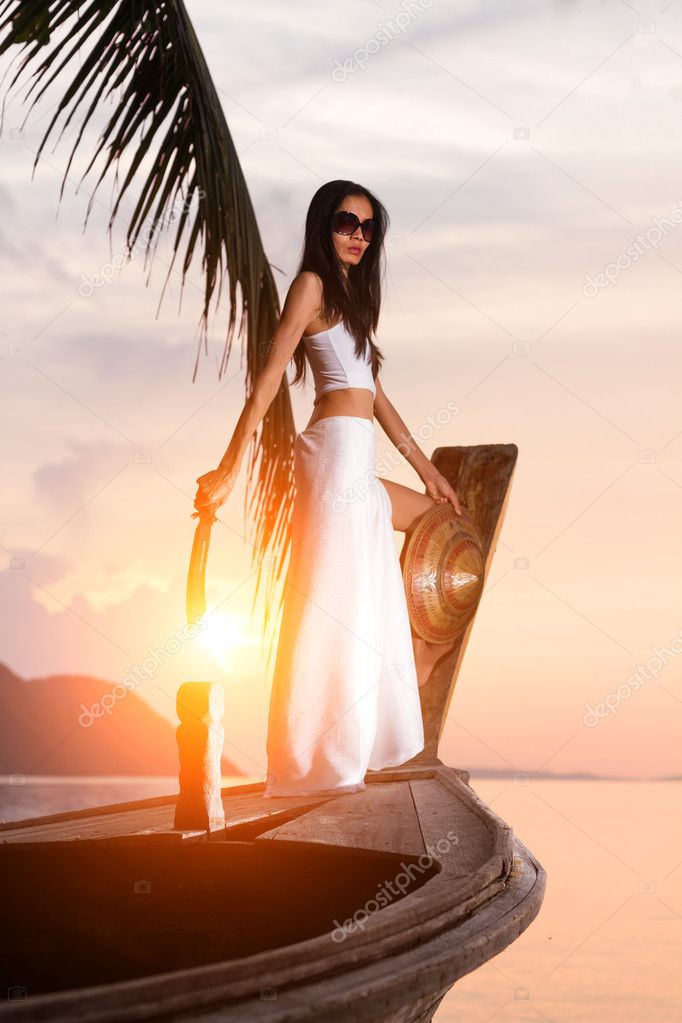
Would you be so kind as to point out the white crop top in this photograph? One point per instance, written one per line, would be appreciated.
(332, 358)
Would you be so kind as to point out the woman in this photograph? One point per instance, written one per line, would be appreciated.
(345, 694)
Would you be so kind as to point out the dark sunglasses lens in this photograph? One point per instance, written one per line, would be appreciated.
(345, 223)
(368, 229)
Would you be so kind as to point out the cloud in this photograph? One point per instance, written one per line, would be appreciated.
(68, 483)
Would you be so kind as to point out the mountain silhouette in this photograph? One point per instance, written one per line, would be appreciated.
(47, 727)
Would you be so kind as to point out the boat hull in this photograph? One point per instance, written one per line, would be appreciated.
(473, 888)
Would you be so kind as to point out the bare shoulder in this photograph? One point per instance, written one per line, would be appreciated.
(303, 300)
(308, 285)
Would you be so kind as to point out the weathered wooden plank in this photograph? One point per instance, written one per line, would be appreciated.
(155, 815)
(452, 832)
(382, 817)
(148, 819)
(107, 809)
(400, 773)
(151, 820)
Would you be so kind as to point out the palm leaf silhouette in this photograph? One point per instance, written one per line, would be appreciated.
(167, 116)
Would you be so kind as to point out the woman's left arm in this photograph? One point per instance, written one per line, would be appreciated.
(397, 432)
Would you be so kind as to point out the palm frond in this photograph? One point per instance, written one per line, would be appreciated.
(144, 56)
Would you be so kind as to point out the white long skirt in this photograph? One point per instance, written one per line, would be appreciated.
(345, 696)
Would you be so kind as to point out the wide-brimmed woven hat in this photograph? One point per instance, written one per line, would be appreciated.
(443, 565)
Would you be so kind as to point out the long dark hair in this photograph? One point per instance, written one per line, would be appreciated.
(357, 301)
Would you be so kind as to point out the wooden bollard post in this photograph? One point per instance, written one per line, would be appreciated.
(200, 707)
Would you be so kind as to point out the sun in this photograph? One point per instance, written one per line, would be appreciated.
(220, 637)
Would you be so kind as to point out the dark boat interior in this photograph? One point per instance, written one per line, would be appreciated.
(88, 912)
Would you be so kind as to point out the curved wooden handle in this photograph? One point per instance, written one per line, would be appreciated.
(196, 576)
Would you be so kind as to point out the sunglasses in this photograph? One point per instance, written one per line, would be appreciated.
(345, 222)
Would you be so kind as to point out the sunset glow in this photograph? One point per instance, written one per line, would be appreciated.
(220, 638)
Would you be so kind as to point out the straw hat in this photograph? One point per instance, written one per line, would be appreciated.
(443, 565)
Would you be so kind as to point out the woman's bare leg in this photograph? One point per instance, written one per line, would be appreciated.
(406, 507)
(406, 504)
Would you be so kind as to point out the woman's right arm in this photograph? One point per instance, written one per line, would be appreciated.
(300, 307)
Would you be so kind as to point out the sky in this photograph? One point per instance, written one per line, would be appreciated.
(527, 155)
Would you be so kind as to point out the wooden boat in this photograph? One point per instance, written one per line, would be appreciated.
(363, 907)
